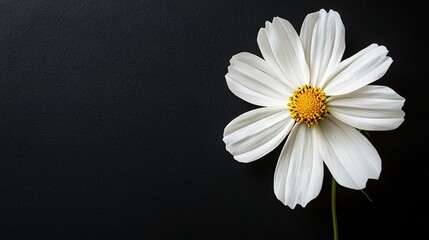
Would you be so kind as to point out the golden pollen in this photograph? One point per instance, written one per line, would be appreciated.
(308, 105)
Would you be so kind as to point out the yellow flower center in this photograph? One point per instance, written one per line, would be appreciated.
(308, 105)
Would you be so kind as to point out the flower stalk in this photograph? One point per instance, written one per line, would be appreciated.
(334, 208)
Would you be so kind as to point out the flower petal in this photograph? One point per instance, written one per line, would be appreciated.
(253, 134)
(252, 79)
(369, 108)
(282, 49)
(323, 38)
(349, 156)
(365, 67)
(267, 53)
(299, 173)
(306, 33)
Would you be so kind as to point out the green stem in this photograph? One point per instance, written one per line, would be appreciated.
(334, 208)
(366, 195)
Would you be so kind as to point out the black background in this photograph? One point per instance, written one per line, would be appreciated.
(112, 115)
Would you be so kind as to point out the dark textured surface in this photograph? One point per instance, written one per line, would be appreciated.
(112, 114)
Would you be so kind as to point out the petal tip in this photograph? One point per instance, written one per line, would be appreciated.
(240, 159)
(322, 11)
(331, 11)
(267, 24)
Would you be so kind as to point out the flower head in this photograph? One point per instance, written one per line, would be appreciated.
(307, 93)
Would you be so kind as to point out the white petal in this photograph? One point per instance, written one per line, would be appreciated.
(252, 79)
(349, 156)
(323, 38)
(268, 55)
(299, 173)
(253, 134)
(281, 47)
(360, 70)
(369, 108)
(345, 63)
(306, 33)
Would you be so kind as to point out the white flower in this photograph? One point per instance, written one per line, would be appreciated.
(307, 92)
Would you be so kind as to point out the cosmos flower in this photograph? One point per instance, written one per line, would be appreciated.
(317, 101)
